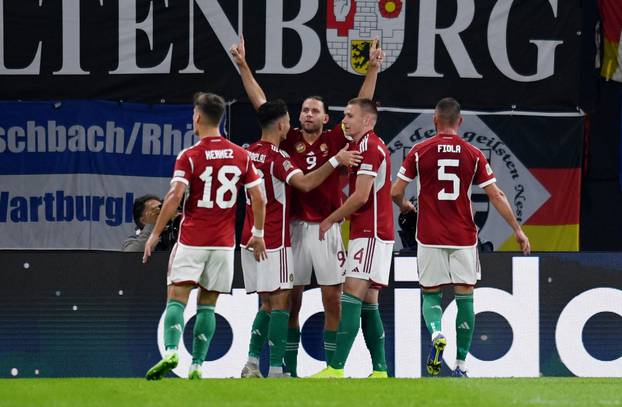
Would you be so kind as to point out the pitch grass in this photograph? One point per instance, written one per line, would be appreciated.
(305, 392)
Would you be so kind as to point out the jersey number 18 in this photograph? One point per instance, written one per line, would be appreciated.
(228, 176)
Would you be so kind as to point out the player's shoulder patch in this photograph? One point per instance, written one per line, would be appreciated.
(287, 165)
(367, 167)
(488, 169)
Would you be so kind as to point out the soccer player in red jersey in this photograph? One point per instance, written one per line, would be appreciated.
(371, 235)
(444, 167)
(211, 172)
(273, 279)
(309, 147)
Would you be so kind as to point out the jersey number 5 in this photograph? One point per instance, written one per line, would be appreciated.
(228, 176)
(443, 195)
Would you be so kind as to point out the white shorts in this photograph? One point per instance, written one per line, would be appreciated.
(439, 266)
(268, 275)
(326, 257)
(211, 269)
(369, 259)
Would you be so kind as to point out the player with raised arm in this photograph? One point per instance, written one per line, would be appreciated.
(371, 237)
(211, 173)
(309, 147)
(445, 166)
(273, 279)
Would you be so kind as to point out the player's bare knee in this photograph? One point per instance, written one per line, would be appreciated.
(265, 302)
(372, 296)
(463, 289)
(206, 297)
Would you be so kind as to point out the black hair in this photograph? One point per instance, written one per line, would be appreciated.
(270, 112)
(211, 106)
(139, 208)
(448, 111)
(319, 99)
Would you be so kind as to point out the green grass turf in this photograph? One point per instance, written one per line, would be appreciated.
(304, 392)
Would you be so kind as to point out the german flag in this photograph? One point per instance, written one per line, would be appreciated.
(550, 146)
(611, 16)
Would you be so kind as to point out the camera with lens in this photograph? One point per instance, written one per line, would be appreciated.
(170, 233)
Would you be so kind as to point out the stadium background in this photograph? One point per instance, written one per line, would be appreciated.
(96, 108)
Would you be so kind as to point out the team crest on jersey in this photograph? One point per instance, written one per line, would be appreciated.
(300, 147)
(525, 193)
(324, 148)
(352, 25)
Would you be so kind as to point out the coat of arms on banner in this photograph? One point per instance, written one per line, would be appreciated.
(352, 25)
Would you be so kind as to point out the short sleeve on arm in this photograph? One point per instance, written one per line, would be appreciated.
(484, 175)
(183, 169)
(284, 169)
(408, 170)
(250, 177)
(372, 159)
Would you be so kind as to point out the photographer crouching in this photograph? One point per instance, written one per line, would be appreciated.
(145, 211)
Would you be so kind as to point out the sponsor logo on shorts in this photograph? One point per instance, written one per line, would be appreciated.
(355, 270)
(291, 278)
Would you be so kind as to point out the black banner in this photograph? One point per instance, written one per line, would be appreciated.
(85, 314)
(488, 54)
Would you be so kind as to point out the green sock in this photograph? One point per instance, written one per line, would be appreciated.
(330, 342)
(173, 323)
(432, 311)
(348, 328)
(373, 332)
(204, 327)
(259, 333)
(465, 324)
(277, 335)
(291, 350)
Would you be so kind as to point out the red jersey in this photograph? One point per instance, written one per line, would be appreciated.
(315, 205)
(276, 168)
(213, 171)
(445, 167)
(375, 218)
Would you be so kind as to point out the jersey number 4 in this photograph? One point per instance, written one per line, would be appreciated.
(443, 195)
(228, 177)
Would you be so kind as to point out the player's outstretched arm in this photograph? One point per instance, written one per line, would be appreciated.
(354, 202)
(501, 204)
(376, 56)
(256, 242)
(169, 209)
(398, 191)
(312, 180)
(254, 92)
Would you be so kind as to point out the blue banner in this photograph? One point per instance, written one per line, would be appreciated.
(73, 169)
(92, 137)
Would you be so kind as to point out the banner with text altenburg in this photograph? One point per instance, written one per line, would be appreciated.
(487, 54)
